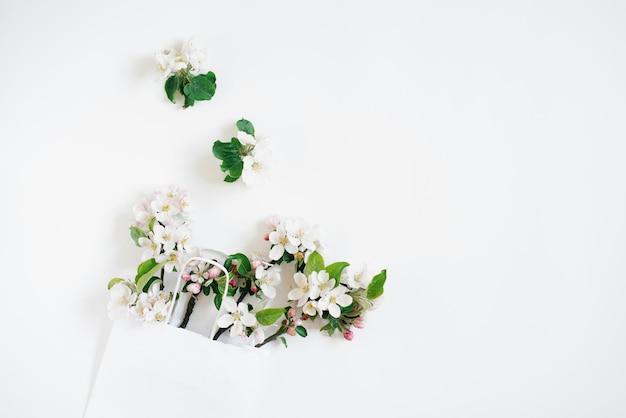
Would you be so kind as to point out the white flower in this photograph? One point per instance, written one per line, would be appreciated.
(258, 167)
(267, 280)
(237, 316)
(164, 208)
(192, 54)
(258, 335)
(150, 248)
(245, 138)
(304, 289)
(356, 277)
(301, 235)
(310, 308)
(168, 62)
(143, 213)
(165, 236)
(171, 258)
(281, 243)
(121, 299)
(333, 299)
(322, 281)
(183, 237)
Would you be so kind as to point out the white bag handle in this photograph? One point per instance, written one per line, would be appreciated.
(180, 279)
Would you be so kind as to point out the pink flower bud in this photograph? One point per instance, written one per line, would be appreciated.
(266, 237)
(291, 331)
(254, 289)
(185, 276)
(297, 322)
(359, 322)
(256, 264)
(214, 272)
(348, 335)
(291, 312)
(194, 288)
(232, 283)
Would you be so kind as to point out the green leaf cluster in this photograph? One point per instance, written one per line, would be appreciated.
(231, 153)
(191, 87)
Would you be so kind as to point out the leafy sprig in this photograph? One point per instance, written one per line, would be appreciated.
(246, 156)
(184, 74)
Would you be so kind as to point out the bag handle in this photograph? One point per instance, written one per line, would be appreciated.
(180, 279)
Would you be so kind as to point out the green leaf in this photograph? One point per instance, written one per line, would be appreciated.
(136, 233)
(233, 172)
(284, 341)
(245, 126)
(217, 301)
(113, 282)
(243, 263)
(375, 288)
(211, 76)
(171, 86)
(149, 283)
(200, 87)
(224, 150)
(151, 224)
(334, 270)
(145, 271)
(269, 316)
(301, 331)
(315, 263)
(206, 290)
(333, 322)
(287, 257)
(188, 102)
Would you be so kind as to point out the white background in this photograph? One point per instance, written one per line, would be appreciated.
(473, 149)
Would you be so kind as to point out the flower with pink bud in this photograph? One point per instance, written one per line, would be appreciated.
(214, 272)
(291, 331)
(359, 322)
(297, 322)
(185, 276)
(232, 283)
(194, 288)
(291, 312)
(348, 335)
(254, 289)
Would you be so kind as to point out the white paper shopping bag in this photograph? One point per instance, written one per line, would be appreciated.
(159, 370)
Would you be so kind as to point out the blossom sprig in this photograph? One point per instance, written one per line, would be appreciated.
(162, 228)
(247, 156)
(292, 239)
(185, 74)
(245, 290)
(338, 293)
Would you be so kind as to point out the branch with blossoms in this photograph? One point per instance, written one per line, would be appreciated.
(161, 228)
(184, 73)
(243, 289)
(338, 293)
(246, 156)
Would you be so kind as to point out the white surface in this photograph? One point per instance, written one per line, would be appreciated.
(476, 151)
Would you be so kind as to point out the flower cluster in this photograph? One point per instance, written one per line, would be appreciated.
(152, 305)
(184, 73)
(162, 227)
(292, 239)
(246, 290)
(247, 156)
